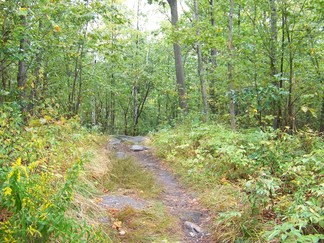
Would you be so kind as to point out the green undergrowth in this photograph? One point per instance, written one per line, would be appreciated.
(40, 166)
(261, 186)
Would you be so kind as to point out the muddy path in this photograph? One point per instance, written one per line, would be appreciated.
(180, 202)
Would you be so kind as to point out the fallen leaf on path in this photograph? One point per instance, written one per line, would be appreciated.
(98, 200)
(117, 225)
(113, 211)
(225, 181)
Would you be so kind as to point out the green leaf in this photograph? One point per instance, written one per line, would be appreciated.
(22, 11)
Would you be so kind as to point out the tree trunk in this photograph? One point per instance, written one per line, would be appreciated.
(200, 65)
(213, 63)
(112, 106)
(178, 60)
(321, 129)
(135, 86)
(74, 84)
(316, 64)
(280, 84)
(3, 67)
(22, 66)
(230, 65)
(273, 59)
(291, 118)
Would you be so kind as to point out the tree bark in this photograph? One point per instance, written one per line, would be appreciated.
(213, 63)
(316, 64)
(200, 64)
(178, 60)
(230, 65)
(321, 129)
(22, 66)
(273, 59)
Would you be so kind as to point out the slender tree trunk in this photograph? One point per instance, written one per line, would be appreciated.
(33, 96)
(291, 117)
(3, 71)
(213, 64)
(239, 20)
(273, 42)
(79, 97)
(106, 112)
(230, 65)
(316, 64)
(112, 106)
(280, 85)
(178, 60)
(135, 87)
(22, 66)
(200, 64)
(3, 78)
(141, 105)
(321, 129)
(273, 58)
(74, 84)
(255, 71)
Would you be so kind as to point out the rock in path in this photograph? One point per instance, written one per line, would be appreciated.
(121, 155)
(193, 227)
(114, 141)
(137, 148)
(120, 202)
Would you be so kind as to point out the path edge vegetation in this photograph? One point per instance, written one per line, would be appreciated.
(261, 186)
(40, 166)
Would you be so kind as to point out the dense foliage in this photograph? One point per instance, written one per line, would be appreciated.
(39, 167)
(279, 178)
(86, 58)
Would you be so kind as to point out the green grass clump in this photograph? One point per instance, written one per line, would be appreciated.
(126, 174)
(273, 180)
(151, 225)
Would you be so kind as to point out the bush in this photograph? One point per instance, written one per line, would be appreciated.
(39, 166)
(279, 174)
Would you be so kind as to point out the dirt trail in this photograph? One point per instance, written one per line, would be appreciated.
(181, 203)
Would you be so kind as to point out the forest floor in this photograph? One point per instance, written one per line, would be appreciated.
(191, 218)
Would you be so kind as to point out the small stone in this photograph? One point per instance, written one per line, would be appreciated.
(122, 232)
(193, 227)
(114, 141)
(121, 155)
(192, 234)
(137, 148)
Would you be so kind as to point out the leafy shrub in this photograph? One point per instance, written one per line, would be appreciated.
(280, 175)
(39, 166)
